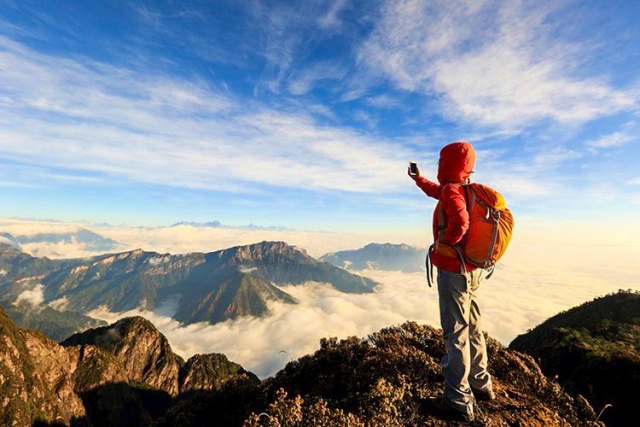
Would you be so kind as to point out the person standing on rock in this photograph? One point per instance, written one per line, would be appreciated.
(464, 367)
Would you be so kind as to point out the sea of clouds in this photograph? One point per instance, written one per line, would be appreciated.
(546, 270)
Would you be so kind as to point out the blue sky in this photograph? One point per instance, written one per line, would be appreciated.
(304, 114)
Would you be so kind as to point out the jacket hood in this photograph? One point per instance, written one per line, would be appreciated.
(456, 164)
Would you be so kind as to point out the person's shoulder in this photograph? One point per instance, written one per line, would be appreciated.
(452, 189)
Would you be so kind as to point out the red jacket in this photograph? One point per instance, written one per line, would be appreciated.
(456, 164)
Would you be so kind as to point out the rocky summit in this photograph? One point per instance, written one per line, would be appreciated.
(126, 374)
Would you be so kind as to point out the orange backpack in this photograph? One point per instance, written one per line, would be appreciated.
(489, 232)
(490, 227)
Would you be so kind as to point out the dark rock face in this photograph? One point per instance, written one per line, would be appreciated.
(93, 368)
(227, 294)
(36, 378)
(146, 356)
(143, 352)
(210, 372)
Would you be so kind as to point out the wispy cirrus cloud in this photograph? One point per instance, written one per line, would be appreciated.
(240, 101)
(490, 63)
(290, 34)
(302, 81)
(616, 139)
(87, 116)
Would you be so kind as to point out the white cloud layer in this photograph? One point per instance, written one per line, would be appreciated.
(616, 139)
(265, 345)
(188, 238)
(60, 304)
(516, 299)
(547, 269)
(34, 297)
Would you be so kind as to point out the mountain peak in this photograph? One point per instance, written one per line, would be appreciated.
(265, 250)
(281, 263)
(140, 347)
(132, 253)
(379, 256)
(210, 371)
(8, 246)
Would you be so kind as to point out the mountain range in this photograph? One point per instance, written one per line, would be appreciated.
(377, 256)
(90, 240)
(209, 287)
(218, 224)
(56, 324)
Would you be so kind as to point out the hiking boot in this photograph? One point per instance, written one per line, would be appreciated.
(484, 395)
(455, 413)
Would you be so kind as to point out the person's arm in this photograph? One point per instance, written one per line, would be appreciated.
(430, 188)
(455, 208)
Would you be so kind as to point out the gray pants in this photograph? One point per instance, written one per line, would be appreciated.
(464, 367)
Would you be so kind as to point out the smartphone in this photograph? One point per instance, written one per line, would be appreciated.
(413, 168)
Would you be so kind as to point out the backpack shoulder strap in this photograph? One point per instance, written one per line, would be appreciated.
(468, 192)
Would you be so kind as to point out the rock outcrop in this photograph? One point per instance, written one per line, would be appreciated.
(140, 348)
(210, 372)
(392, 378)
(122, 374)
(36, 378)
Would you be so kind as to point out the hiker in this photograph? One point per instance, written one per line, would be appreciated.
(464, 367)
